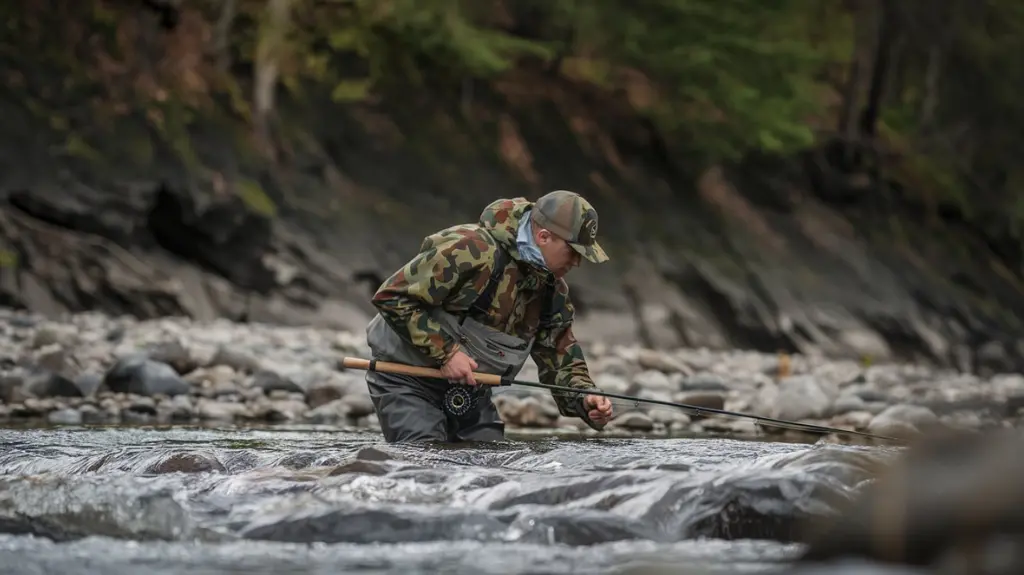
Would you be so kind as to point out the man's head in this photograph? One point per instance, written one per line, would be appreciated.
(565, 228)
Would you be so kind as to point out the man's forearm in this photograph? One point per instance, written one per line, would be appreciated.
(560, 361)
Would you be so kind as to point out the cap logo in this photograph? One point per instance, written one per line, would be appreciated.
(590, 229)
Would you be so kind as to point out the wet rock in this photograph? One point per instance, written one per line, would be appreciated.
(951, 500)
(66, 416)
(533, 413)
(703, 382)
(576, 528)
(372, 454)
(648, 359)
(634, 421)
(142, 376)
(614, 365)
(174, 354)
(704, 400)
(212, 410)
(62, 335)
(282, 410)
(93, 415)
(176, 409)
(88, 383)
(358, 404)
(796, 398)
(187, 463)
(359, 466)
(848, 402)
(324, 392)
(903, 420)
(237, 359)
(611, 383)
(270, 381)
(52, 358)
(651, 380)
(673, 418)
(44, 383)
(374, 526)
(333, 412)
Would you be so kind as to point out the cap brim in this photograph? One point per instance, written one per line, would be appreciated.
(593, 252)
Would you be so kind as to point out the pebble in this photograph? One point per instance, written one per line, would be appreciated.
(93, 369)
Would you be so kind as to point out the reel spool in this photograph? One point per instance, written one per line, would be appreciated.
(459, 400)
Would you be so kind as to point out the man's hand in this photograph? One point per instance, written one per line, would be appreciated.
(459, 369)
(599, 408)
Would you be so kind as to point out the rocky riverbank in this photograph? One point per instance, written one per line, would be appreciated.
(94, 369)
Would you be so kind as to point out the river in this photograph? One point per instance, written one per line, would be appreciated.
(114, 500)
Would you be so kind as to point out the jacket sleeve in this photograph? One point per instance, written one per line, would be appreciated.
(451, 267)
(559, 357)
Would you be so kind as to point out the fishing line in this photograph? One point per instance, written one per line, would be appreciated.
(465, 399)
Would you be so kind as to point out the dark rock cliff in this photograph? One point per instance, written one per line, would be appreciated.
(771, 254)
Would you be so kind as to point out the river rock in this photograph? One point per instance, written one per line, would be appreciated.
(705, 400)
(174, 354)
(659, 361)
(176, 408)
(358, 404)
(793, 398)
(291, 373)
(614, 365)
(332, 412)
(674, 418)
(611, 383)
(237, 359)
(653, 380)
(45, 383)
(848, 402)
(703, 382)
(143, 376)
(953, 503)
(270, 381)
(903, 420)
(66, 416)
(633, 420)
(88, 383)
(61, 334)
(282, 410)
(324, 392)
(213, 410)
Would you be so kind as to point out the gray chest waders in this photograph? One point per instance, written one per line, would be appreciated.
(494, 351)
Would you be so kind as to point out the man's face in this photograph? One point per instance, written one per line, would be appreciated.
(558, 254)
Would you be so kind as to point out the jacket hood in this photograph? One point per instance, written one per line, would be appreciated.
(501, 219)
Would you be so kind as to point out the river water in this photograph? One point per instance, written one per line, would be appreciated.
(304, 501)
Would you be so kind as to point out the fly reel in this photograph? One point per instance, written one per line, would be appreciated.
(459, 400)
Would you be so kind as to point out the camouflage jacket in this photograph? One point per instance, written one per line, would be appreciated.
(452, 268)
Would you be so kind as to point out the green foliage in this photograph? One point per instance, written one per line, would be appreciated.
(255, 198)
(729, 78)
(723, 76)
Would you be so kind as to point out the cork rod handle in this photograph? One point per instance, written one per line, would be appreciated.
(412, 370)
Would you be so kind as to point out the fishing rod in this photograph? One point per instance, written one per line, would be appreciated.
(458, 399)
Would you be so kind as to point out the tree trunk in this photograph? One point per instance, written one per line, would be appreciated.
(865, 23)
(222, 34)
(887, 30)
(270, 47)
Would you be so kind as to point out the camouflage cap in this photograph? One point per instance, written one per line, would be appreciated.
(570, 217)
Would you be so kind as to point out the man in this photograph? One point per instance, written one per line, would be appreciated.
(485, 297)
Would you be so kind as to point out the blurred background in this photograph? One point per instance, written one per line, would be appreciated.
(816, 177)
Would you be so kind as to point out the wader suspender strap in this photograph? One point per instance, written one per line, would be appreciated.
(483, 302)
(545, 310)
